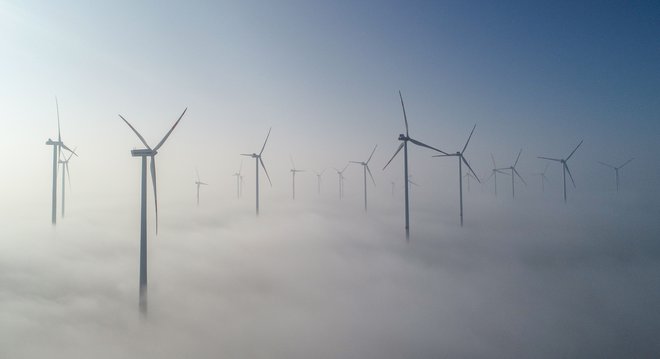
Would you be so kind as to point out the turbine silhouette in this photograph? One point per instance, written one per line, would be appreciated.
(365, 169)
(318, 179)
(199, 183)
(239, 180)
(293, 176)
(404, 144)
(258, 160)
(616, 170)
(65, 170)
(565, 166)
(144, 153)
(340, 174)
(514, 172)
(543, 177)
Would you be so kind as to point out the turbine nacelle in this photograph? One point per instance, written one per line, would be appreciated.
(143, 152)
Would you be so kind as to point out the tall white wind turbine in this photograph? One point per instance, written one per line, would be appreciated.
(318, 179)
(199, 183)
(404, 144)
(340, 175)
(461, 160)
(258, 160)
(65, 171)
(239, 180)
(293, 171)
(57, 148)
(543, 177)
(616, 170)
(514, 173)
(565, 166)
(144, 153)
(365, 170)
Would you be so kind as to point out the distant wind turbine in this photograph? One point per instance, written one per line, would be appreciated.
(318, 179)
(461, 160)
(616, 170)
(199, 183)
(65, 170)
(259, 160)
(404, 144)
(293, 171)
(543, 177)
(494, 172)
(57, 148)
(565, 166)
(365, 169)
(514, 172)
(239, 179)
(467, 177)
(340, 175)
(144, 153)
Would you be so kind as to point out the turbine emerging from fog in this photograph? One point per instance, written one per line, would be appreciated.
(144, 153)
(57, 148)
(543, 177)
(616, 170)
(494, 172)
(239, 180)
(565, 166)
(365, 169)
(199, 183)
(340, 175)
(258, 160)
(467, 177)
(461, 160)
(65, 170)
(318, 179)
(293, 176)
(514, 173)
(404, 144)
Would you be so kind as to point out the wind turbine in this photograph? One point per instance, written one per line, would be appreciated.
(404, 144)
(57, 148)
(65, 170)
(239, 180)
(365, 169)
(258, 160)
(340, 175)
(565, 166)
(293, 175)
(494, 173)
(199, 183)
(543, 177)
(461, 160)
(514, 172)
(144, 153)
(616, 170)
(318, 179)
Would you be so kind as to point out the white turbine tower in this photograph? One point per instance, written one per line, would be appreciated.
(258, 160)
(144, 153)
(65, 171)
(616, 170)
(340, 175)
(404, 144)
(461, 160)
(239, 180)
(543, 177)
(565, 166)
(57, 148)
(318, 179)
(199, 183)
(293, 175)
(514, 172)
(365, 169)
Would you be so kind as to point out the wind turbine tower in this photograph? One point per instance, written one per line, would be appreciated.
(365, 169)
(258, 160)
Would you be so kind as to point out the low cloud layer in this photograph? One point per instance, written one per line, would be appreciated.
(325, 280)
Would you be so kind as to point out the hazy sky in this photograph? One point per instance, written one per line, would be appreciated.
(325, 76)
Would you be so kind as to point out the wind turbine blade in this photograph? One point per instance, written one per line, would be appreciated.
(605, 164)
(493, 159)
(196, 171)
(345, 167)
(72, 153)
(626, 163)
(405, 118)
(59, 134)
(502, 172)
(517, 158)
(170, 131)
(371, 155)
(548, 158)
(153, 181)
(469, 137)
(355, 162)
(395, 153)
(569, 174)
(264, 146)
(442, 155)
(425, 145)
(471, 170)
(246, 154)
(491, 175)
(265, 171)
(68, 174)
(576, 147)
(137, 133)
(370, 175)
(413, 183)
(519, 176)
(68, 149)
